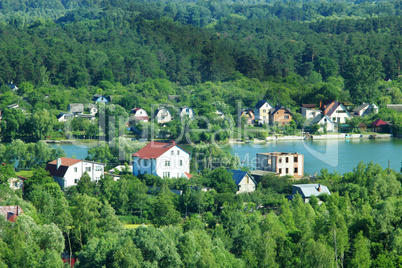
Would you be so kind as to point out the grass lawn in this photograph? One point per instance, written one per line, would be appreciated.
(133, 226)
(25, 173)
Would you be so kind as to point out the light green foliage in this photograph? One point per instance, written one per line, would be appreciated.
(361, 252)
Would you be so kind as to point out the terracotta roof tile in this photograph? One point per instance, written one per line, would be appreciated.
(155, 149)
(379, 122)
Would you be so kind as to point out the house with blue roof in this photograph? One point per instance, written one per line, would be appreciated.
(244, 181)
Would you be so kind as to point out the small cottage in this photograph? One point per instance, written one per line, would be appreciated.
(244, 181)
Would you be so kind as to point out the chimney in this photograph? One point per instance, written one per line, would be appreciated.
(173, 142)
(320, 104)
(58, 162)
(319, 187)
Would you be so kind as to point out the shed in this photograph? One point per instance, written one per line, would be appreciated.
(308, 190)
(244, 181)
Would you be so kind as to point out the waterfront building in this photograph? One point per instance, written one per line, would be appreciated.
(281, 163)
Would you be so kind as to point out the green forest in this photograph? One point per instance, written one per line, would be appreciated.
(210, 55)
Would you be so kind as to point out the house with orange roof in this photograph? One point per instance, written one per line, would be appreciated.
(163, 159)
(336, 112)
(11, 213)
(68, 171)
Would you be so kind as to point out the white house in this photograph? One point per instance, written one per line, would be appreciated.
(323, 120)
(365, 109)
(162, 159)
(309, 113)
(139, 114)
(17, 183)
(244, 182)
(282, 164)
(67, 171)
(336, 112)
(163, 115)
(186, 111)
(64, 117)
(261, 111)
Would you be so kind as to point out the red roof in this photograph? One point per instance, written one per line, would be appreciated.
(155, 149)
(379, 122)
(188, 175)
(65, 164)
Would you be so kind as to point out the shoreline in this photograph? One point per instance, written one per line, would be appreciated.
(314, 137)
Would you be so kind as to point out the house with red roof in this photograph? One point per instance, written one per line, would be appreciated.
(68, 171)
(381, 126)
(11, 213)
(139, 114)
(163, 159)
(336, 112)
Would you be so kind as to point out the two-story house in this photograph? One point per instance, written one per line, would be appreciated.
(162, 159)
(186, 111)
(336, 112)
(139, 114)
(309, 111)
(281, 163)
(163, 115)
(280, 115)
(67, 171)
(261, 112)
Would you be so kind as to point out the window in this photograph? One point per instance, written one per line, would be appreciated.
(287, 171)
(280, 171)
(88, 168)
(178, 152)
(167, 163)
(172, 152)
(334, 119)
(145, 162)
(181, 162)
(166, 174)
(287, 159)
(280, 160)
(286, 116)
(295, 160)
(248, 180)
(75, 169)
(16, 184)
(264, 111)
(296, 170)
(76, 181)
(98, 168)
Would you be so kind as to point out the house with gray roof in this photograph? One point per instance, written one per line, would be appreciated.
(244, 181)
(323, 121)
(261, 111)
(395, 107)
(365, 109)
(308, 190)
(76, 108)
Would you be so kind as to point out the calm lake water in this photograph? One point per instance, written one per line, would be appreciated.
(335, 155)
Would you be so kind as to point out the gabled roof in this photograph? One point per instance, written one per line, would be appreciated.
(279, 107)
(261, 103)
(331, 108)
(95, 97)
(361, 107)
(308, 105)
(155, 149)
(65, 164)
(309, 190)
(238, 175)
(188, 175)
(11, 212)
(319, 117)
(379, 122)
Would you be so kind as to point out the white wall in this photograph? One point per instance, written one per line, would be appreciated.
(245, 187)
(339, 115)
(163, 116)
(309, 113)
(72, 174)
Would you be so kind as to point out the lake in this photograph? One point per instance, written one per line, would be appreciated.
(336, 155)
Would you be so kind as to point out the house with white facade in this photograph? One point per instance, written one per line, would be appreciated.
(261, 112)
(309, 111)
(323, 121)
(336, 112)
(67, 171)
(64, 117)
(163, 159)
(244, 181)
(139, 114)
(163, 115)
(365, 109)
(186, 111)
(282, 164)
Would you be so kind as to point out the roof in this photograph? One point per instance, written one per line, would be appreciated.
(61, 114)
(308, 106)
(379, 122)
(155, 149)
(11, 212)
(76, 107)
(261, 103)
(308, 190)
(331, 108)
(361, 107)
(97, 96)
(238, 175)
(65, 164)
(188, 175)
(395, 107)
(279, 107)
(319, 117)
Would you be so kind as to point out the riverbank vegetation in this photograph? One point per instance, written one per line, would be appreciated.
(207, 55)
